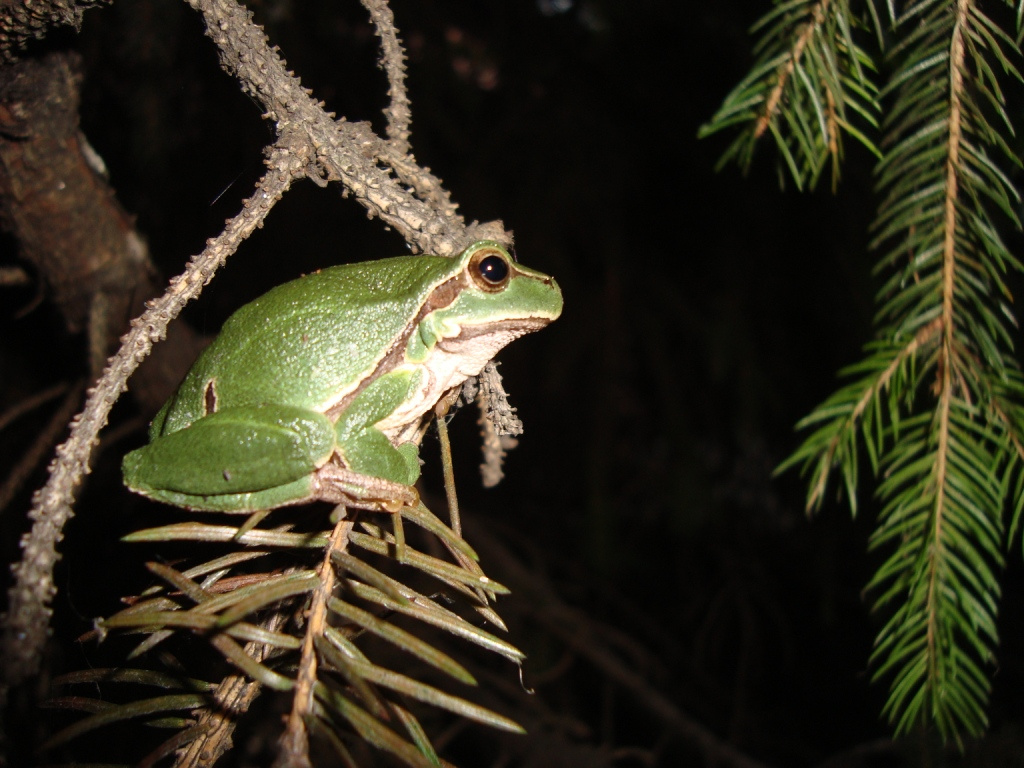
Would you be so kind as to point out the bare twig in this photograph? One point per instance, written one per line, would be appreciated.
(424, 184)
(336, 150)
(393, 61)
(498, 423)
(28, 616)
(23, 20)
(310, 143)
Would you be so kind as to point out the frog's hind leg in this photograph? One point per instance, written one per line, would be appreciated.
(238, 459)
(363, 447)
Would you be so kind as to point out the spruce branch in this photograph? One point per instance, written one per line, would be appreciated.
(294, 743)
(299, 629)
(943, 492)
(28, 615)
(810, 84)
(857, 409)
(937, 402)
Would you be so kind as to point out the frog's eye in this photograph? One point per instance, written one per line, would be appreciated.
(489, 270)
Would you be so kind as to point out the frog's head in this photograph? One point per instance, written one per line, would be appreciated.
(487, 301)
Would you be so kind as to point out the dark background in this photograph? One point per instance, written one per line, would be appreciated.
(705, 314)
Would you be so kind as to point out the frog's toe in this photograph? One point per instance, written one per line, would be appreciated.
(409, 498)
(341, 485)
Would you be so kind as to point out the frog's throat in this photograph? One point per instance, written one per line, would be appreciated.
(451, 362)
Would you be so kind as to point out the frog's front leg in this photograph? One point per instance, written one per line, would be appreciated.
(364, 448)
(339, 485)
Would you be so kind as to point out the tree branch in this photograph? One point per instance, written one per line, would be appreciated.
(398, 112)
(310, 143)
(786, 70)
(923, 337)
(294, 743)
(24, 20)
(336, 150)
(28, 617)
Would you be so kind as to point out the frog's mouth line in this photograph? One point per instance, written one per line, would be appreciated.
(513, 327)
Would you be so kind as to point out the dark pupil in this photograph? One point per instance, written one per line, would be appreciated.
(493, 269)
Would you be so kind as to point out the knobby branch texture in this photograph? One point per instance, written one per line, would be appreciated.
(25, 20)
(379, 173)
(27, 621)
(398, 111)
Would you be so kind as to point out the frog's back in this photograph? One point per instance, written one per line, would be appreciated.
(310, 341)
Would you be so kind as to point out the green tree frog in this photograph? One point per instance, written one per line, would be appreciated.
(317, 389)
